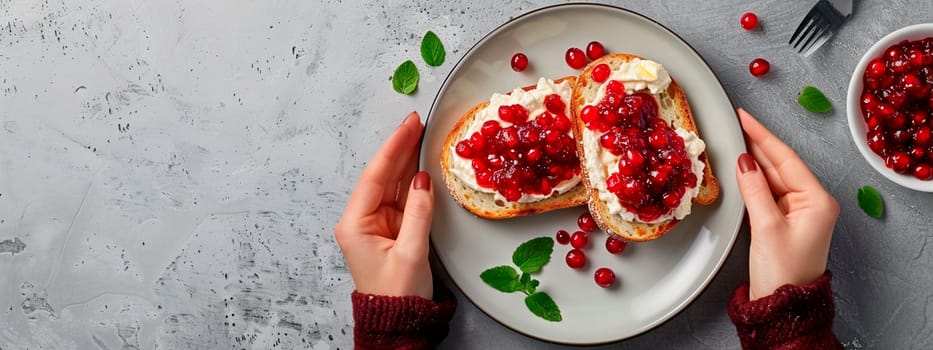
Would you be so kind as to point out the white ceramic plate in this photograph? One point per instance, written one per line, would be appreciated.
(658, 278)
(857, 124)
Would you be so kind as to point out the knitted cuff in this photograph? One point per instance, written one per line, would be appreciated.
(408, 322)
(793, 317)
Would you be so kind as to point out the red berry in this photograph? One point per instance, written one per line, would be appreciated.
(899, 161)
(601, 72)
(657, 139)
(875, 68)
(616, 88)
(589, 114)
(491, 127)
(923, 172)
(586, 222)
(505, 113)
(519, 113)
(579, 239)
(615, 245)
(554, 104)
(604, 277)
(575, 58)
(759, 67)
(519, 62)
(563, 237)
(575, 259)
(749, 20)
(595, 50)
(464, 149)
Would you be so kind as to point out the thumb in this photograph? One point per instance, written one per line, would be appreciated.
(416, 220)
(762, 210)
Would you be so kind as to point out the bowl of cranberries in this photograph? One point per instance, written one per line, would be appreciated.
(890, 106)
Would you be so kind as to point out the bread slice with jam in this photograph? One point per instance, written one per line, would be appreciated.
(531, 160)
(635, 149)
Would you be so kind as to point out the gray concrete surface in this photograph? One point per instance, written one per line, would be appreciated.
(171, 172)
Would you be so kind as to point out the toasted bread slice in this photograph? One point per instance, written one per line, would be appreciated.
(672, 108)
(485, 204)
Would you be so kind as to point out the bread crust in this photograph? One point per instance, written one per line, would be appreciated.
(675, 110)
(484, 204)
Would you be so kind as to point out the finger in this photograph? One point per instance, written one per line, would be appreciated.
(381, 173)
(399, 183)
(762, 211)
(408, 174)
(771, 173)
(416, 221)
(782, 157)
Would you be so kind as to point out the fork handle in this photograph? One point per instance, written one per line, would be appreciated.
(843, 6)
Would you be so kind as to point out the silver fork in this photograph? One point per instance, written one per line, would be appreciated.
(820, 24)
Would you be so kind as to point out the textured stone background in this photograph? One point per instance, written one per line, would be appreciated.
(171, 171)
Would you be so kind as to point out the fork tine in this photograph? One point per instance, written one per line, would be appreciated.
(816, 45)
(806, 21)
(816, 26)
(808, 30)
(823, 30)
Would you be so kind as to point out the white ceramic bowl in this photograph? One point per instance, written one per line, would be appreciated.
(857, 123)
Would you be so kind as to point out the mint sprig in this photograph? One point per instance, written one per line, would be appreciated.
(530, 257)
(813, 100)
(870, 201)
(432, 50)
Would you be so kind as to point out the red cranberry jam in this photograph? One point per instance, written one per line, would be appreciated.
(530, 156)
(896, 104)
(654, 169)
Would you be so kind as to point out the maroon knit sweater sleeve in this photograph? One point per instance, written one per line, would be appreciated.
(408, 322)
(793, 317)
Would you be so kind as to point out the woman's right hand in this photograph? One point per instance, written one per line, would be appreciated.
(790, 213)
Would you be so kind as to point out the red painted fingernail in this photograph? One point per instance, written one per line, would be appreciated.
(422, 181)
(747, 163)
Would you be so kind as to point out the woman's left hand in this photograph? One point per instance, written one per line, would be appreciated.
(384, 229)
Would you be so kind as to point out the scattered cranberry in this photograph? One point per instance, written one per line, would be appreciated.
(575, 58)
(579, 239)
(563, 237)
(529, 156)
(575, 259)
(749, 21)
(615, 245)
(586, 222)
(604, 277)
(519, 62)
(595, 50)
(759, 67)
(601, 72)
(896, 105)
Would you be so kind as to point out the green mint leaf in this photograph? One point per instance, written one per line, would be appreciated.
(870, 201)
(543, 306)
(503, 278)
(813, 100)
(432, 50)
(534, 254)
(405, 79)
